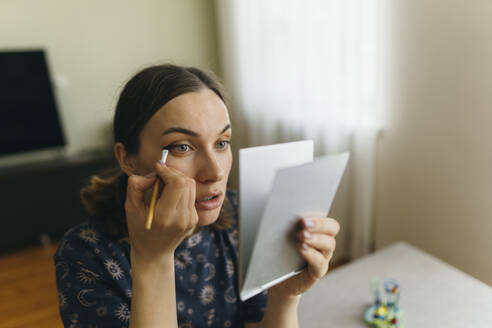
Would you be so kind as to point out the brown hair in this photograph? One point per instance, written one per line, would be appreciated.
(142, 96)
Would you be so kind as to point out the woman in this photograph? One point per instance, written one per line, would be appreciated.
(182, 272)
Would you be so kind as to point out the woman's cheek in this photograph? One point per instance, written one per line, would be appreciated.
(228, 161)
(183, 164)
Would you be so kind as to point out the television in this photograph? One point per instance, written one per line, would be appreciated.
(29, 117)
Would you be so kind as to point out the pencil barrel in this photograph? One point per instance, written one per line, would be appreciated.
(150, 215)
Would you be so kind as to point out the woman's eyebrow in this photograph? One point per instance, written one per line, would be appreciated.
(191, 133)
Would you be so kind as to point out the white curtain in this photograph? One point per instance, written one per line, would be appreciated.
(312, 70)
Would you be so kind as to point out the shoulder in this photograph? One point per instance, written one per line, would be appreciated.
(88, 246)
(88, 232)
(93, 277)
(88, 235)
(81, 236)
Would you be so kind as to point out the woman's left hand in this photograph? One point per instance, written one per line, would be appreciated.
(316, 244)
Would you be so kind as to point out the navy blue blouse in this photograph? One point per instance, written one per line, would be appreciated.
(94, 282)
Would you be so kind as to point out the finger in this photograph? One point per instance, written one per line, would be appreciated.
(137, 185)
(194, 213)
(167, 174)
(191, 195)
(321, 225)
(174, 180)
(185, 184)
(317, 263)
(324, 243)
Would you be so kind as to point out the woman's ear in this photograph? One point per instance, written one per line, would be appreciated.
(126, 161)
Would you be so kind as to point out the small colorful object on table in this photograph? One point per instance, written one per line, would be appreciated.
(385, 313)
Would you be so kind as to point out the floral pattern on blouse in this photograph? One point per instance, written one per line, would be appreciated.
(94, 282)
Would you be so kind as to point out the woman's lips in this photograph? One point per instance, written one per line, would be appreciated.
(209, 204)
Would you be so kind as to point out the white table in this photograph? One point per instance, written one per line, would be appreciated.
(433, 293)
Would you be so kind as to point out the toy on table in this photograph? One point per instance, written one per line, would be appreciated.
(385, 313)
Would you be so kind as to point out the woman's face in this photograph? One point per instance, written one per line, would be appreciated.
(196, 128)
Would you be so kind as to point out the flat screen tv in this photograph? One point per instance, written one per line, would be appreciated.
(28, 114)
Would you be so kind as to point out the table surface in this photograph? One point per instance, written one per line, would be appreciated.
(433, 293)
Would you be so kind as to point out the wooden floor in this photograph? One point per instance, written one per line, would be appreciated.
(28, 296)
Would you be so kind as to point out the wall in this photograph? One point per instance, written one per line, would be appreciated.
(93, 47)
(434, 161)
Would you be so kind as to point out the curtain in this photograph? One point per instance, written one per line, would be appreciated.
(312, 70)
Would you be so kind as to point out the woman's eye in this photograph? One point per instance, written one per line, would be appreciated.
(184, 148)
(223, 144)
(180, 148)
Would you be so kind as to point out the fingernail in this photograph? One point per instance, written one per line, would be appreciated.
(309, 223)
(307, 235)
(151, 175)
(304, 246)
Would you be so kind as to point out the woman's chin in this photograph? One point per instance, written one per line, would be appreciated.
(207, 217)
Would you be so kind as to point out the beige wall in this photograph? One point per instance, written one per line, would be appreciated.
(434, 176)
(94, 47)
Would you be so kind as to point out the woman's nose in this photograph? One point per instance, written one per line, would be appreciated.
(211, 169)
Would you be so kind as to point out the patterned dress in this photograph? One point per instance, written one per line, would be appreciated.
(94, 280)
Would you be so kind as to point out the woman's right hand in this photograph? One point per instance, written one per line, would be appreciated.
(175, 215)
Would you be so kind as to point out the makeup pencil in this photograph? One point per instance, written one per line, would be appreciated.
(155, 190)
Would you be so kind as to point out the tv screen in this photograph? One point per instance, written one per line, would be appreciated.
(28, 114)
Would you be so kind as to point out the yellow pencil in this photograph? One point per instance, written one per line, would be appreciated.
(155, 190)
